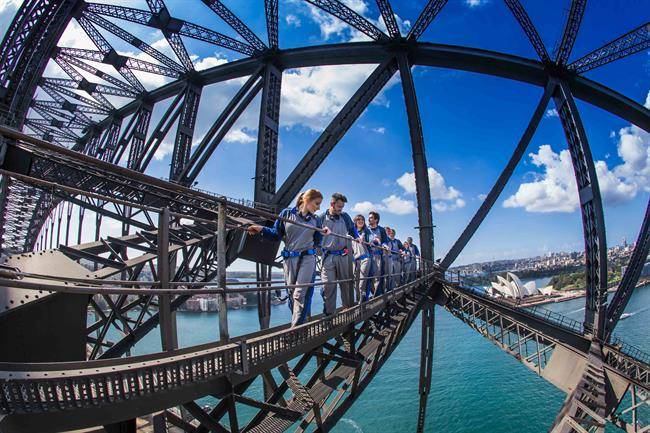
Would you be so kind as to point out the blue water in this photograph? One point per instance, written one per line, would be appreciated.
(476, 387)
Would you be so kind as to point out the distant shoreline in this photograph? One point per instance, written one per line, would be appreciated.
(566, 296)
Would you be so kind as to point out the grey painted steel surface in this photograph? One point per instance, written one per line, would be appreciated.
(591, 208)
(102, 392)
(629, 279)
(529, 29)
(28, 210)
(422, 189)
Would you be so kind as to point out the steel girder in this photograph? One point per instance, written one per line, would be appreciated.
(591, 209)
(347, 15)
(532, 334)
(237, 25)
(586, 407)
(129, 38)
(428, 14)
(135, 135)
(220, 127)
(271, 9)
(426, 360)
(528, 27)
(389, 18)
(632, 42)
(185, 130)
(422, 54)
(162, 20)
(25, 52)
(631, 276)
(425, 54)
(15, 38)
(169, 29)
(425, 223)
(422, 190)
(266, 164)
(570, 33)
(266, 160)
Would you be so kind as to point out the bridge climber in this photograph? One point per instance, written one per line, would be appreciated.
(72, 312)
(327, 236)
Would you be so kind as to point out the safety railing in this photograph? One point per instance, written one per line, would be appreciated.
(537, 311)
(629, 350)
(32, 388)
(556, 318)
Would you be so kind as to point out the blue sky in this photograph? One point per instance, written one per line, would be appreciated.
(471, 123)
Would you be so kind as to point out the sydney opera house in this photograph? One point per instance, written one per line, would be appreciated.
(512, 287)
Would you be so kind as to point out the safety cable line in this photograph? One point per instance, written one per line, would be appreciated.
(87, 290)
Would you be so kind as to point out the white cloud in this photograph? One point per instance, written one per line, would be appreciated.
(482, 197)
(209, 62)
(6, 5)
(293, 20)
(443, 198)
(443, 206)
(379, 130)
(551, 112)
(313, 96)
(331, 26)
(439, 189)
(398, 206)
(555, 190)
(239, 136)
(164, 149)
(364, 207)
(475, 3)
(392, 204)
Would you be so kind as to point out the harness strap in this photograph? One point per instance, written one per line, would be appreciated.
(340, 252)
(286, 253)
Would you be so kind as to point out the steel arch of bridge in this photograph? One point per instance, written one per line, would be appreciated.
(66, 120)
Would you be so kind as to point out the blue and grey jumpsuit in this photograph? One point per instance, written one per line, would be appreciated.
(379, 261)
(412, 267)
(396, 248)
(362, 266)
(336, 263)
(406, 265)
(299, 258)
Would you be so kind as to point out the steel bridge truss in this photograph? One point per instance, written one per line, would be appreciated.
(41, 180)
(605, 383)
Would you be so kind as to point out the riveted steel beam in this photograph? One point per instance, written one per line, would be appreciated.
(428, 14)
(630, 43)
(630, 277)
(570, 33)
(529, 29)
(591, 209)
(347, 15)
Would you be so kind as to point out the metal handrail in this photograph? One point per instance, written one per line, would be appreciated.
(537, 311)
(46, 387)
(630, 350)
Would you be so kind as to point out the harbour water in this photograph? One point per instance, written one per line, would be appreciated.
(476, 387)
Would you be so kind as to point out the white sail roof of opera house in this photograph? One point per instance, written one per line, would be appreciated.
(512, 287)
